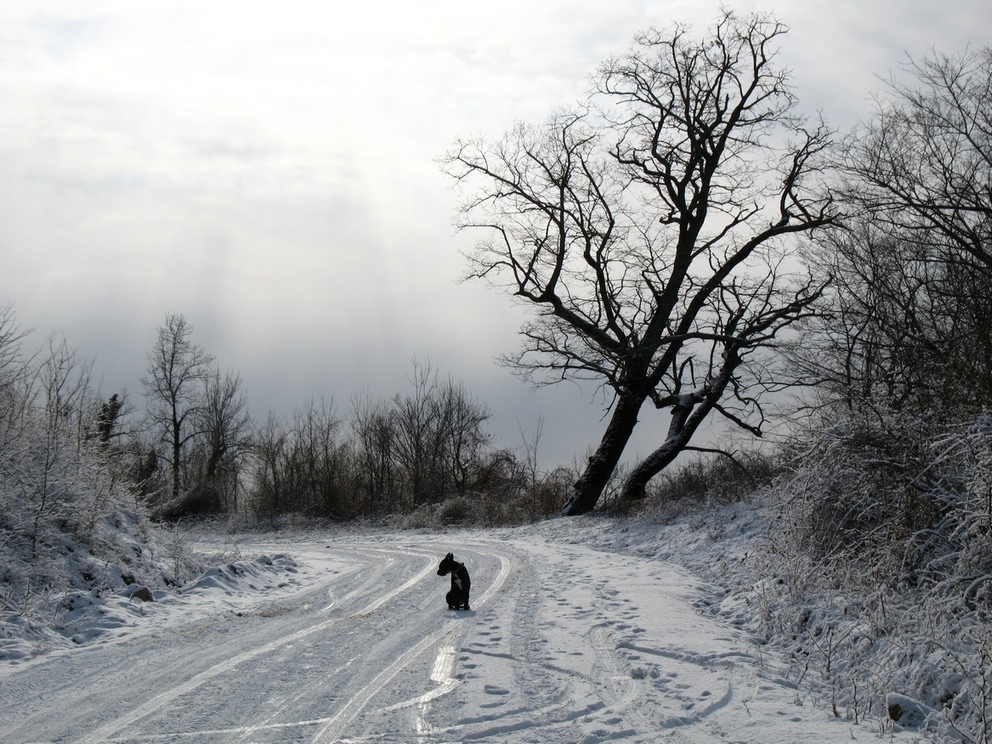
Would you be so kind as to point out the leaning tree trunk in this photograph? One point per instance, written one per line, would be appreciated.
(690, 411)
(685, 421)
(589, 487)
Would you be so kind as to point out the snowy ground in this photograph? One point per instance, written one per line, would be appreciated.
(346, 638)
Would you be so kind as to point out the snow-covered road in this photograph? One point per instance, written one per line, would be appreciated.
(350, 640)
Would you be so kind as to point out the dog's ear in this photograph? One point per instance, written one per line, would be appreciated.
(450, 557)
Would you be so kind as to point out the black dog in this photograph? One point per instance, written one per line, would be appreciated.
(460, 583)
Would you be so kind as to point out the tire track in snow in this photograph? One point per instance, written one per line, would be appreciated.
(541, 699)
(608, 700)
(127, 720)
(627, 689)
(334, 727)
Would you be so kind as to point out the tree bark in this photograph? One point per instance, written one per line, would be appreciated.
(687, 414)
(589, 487)
(685, 421)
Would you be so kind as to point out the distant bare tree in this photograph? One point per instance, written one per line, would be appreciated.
(315, 462)
(269, 449)
(305, 466)
(375, 444)
(648, 232)
(63, 385)
(14, 386)
(178, 372)
(438, 436)
(418, 437)
(466, 440)
(226, 441)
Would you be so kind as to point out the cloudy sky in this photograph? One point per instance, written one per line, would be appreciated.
(269, 171)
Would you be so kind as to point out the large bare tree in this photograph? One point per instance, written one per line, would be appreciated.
(648, 229)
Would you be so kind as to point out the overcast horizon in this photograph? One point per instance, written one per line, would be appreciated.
(270, 173)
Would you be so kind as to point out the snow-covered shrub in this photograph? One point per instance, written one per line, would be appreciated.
(712, 481)
(507, 503)
(77, 528)
(69, 515)
(959, 545)
(454, 511)
(876, 569)
(861, 491)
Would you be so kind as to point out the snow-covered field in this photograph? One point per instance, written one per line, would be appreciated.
(345, 636)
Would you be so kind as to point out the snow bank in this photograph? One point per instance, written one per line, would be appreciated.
(263, 572)
(100, 614)
(860, 650)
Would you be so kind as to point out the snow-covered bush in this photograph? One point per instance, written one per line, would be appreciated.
(877, 567)
(511, 502)
(69, 516)
(866, 560)
(862, 491)
(718, 480)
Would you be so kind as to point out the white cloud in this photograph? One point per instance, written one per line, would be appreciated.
(268, 170)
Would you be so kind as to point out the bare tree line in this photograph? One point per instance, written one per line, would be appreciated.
(397, 455)
(193, 448)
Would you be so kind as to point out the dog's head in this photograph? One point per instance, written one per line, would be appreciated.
(447, 565)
